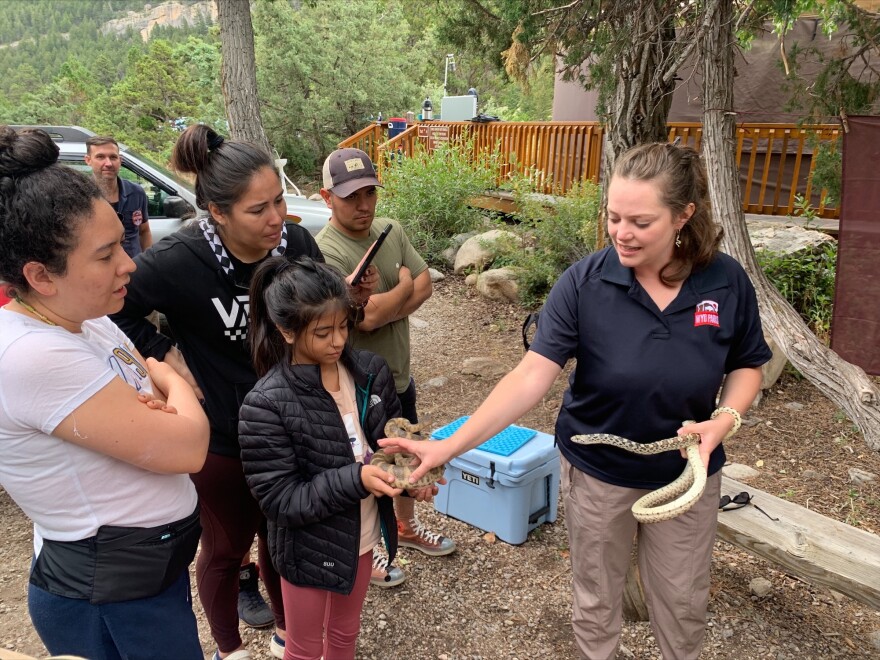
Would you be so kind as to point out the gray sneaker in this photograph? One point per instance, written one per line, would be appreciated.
(383, 575)
(252, 609)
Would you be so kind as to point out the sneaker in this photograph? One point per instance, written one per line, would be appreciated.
(384, 575)
(252, 609)
(241, 654)
(415, 535)
(276, 647)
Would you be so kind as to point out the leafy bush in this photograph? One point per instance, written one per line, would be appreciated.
(556, 232)
(806, 281)
(428, 194)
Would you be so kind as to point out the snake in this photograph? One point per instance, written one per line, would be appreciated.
(673, 499)
(400, 464)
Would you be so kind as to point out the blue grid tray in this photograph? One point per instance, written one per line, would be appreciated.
(503, 444)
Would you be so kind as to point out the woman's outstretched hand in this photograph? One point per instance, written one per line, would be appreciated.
(430, 454)
(711, 434)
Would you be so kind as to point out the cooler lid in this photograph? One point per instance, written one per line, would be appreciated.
(534, 453)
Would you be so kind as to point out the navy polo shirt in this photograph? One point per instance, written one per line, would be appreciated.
(641, 372)
(132, 207)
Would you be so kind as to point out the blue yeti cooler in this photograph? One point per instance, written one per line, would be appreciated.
(508, 485)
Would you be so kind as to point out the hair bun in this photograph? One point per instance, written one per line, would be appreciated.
(25, 152)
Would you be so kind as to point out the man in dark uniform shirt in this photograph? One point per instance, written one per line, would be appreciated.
(127, 198)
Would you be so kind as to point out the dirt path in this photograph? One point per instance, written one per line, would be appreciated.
(494, 600)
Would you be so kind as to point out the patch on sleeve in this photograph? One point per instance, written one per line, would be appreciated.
(706, 313)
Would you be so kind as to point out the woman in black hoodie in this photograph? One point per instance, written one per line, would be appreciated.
(199, 278)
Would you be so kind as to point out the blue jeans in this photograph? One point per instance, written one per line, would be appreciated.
(163, 626)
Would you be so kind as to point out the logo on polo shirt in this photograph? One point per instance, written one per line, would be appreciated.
(706, 313)
(137, 217)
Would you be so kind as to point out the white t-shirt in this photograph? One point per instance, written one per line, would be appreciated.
(69, 491)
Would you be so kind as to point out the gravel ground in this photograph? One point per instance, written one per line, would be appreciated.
(493, 600)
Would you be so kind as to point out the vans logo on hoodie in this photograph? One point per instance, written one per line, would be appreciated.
(235, 318)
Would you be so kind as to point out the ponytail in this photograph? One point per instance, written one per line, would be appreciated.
(268, 346)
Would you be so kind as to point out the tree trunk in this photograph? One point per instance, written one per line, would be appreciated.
(636, 111)
(634, 606)
(843, 383)
(239, 73)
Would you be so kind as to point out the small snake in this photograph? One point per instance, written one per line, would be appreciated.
(659, 505)
(400, 464)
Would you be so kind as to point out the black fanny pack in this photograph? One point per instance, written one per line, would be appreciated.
(118, 563)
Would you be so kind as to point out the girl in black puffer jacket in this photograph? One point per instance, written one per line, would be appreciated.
(307, 431)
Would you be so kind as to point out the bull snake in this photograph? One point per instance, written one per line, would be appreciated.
(400, 464)
(659, 505)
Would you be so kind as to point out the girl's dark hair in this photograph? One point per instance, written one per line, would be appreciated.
(223, 168)
(42, 205)
(290, 295)
(681, 179)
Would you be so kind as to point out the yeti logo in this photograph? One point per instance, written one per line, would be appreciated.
(235, 318)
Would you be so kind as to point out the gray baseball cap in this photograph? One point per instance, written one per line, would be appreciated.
(348, 170)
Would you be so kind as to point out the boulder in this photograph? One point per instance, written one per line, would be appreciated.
(482, 249)
(781, 239)
(499, 284)
(454, 244)
(772, 369)
(483, 367)
(740, 472)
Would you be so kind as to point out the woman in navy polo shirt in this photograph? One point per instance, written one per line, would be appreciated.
(658, 322)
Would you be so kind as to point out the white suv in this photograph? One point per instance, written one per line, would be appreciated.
(171, 200)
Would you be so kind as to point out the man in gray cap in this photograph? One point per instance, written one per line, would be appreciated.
(350, 191)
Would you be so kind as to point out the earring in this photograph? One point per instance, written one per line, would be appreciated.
(678, 238)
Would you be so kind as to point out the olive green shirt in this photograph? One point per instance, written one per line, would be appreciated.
(391, 341)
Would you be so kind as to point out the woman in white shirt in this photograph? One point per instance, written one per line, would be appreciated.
(95, 442)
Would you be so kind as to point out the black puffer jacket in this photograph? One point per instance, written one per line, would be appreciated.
(299, 465)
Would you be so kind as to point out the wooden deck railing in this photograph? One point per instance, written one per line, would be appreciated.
(774, 160)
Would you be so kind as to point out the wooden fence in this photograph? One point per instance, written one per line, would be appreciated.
(775, 160)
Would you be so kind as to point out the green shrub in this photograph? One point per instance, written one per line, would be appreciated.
(428, 194)
(555, 232)
(806, 281)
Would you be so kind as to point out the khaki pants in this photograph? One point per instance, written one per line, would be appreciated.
(674, 562)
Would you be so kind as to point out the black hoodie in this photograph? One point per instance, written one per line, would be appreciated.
(207, 310)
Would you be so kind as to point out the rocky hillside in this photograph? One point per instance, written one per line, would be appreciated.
(167, 14)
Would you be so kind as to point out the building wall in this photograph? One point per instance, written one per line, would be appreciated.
(760, 89)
